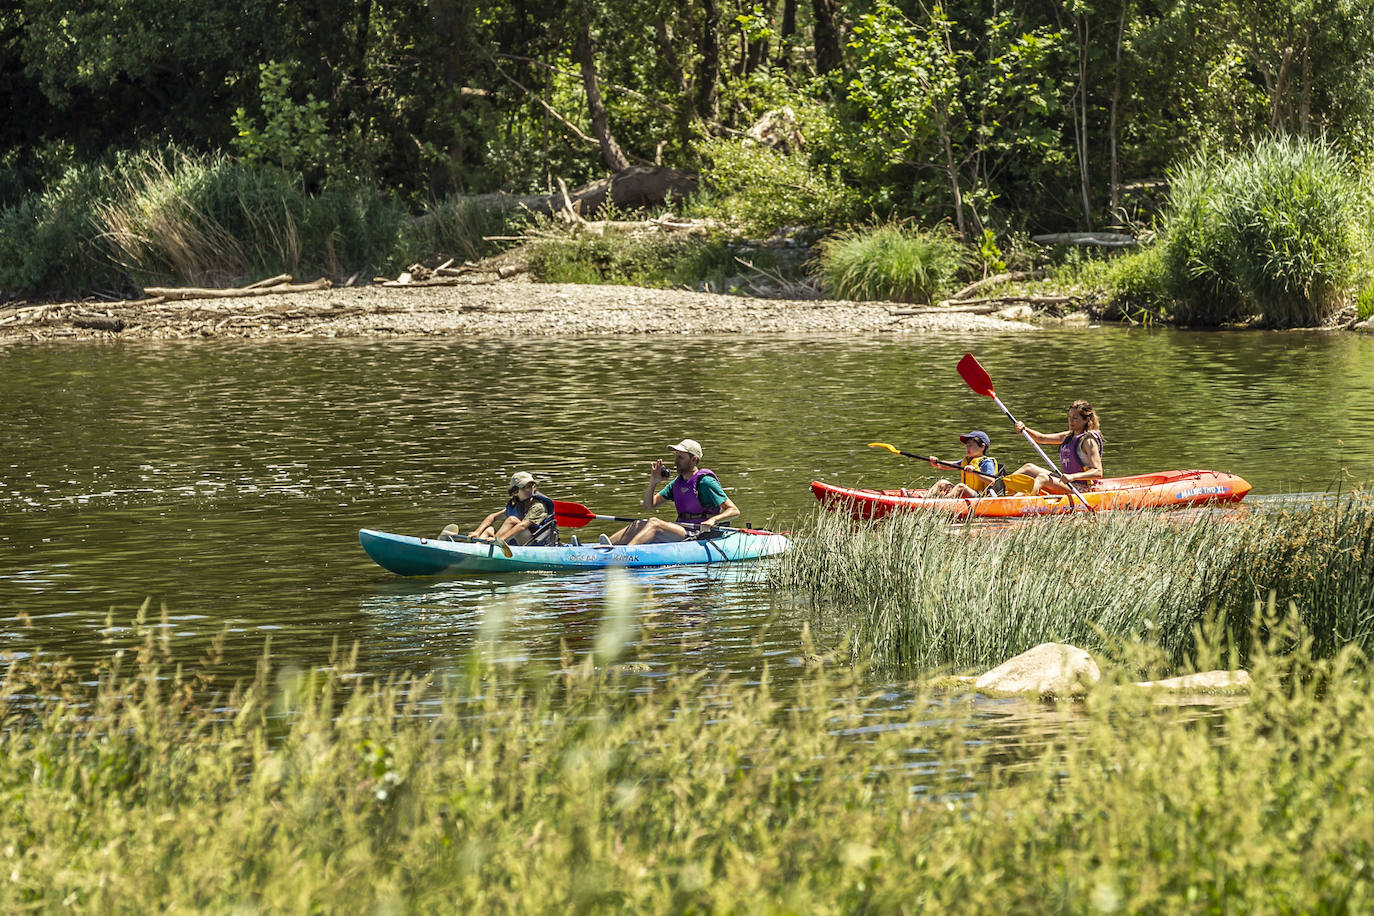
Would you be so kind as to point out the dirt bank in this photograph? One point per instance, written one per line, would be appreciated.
(490, 309)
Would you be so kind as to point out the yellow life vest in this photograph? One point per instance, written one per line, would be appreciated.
(970, 475)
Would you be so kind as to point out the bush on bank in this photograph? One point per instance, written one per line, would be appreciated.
(1279, 233)
(891, 262)
(571, 792)
(173, 218)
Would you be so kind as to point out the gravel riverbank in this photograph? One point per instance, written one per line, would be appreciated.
(479, 309)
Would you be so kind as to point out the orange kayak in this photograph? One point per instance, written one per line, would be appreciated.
(1166, 489)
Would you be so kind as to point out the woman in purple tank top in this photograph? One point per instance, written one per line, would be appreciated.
(1080, 451)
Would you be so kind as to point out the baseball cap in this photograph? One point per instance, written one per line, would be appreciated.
(979, 435)
(690, 446)
(520, 479)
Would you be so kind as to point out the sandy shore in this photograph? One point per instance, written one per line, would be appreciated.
(486, 309)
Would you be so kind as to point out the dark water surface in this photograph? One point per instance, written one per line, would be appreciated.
(228, 480)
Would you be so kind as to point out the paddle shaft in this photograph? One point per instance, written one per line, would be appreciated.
(575, 515)
(495, 542)
(1010, 479)
(1052, 465)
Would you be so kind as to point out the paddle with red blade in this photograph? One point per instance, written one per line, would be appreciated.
(576, 515)
(979, 380)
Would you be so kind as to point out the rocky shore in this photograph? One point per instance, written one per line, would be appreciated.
(504, 308)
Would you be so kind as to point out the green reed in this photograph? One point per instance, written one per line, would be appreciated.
(589, 789)
(915, 590)
(891, 262)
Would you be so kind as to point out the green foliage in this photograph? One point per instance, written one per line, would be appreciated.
(1137, 283)
(1280, 232)
(294, 136)
(591, 789)
(52, 241)
(1364, 303)
(978, 98)
(915, 591)
(891, 262)
(764, 191)
(170, 217)
(660, 261)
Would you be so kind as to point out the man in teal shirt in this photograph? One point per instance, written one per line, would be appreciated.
(695, 492)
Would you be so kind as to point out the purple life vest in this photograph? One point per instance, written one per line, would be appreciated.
(1069, 462)
(686, 499)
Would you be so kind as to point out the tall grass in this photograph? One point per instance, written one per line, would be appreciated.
(890, 262)
(484, 792)
(916, 591)
(1280, 233)
(168, 217)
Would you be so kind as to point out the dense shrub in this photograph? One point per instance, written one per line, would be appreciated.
(763, 190)
(1279, 234)
(168, 217)
(891, 262)
(51, 241)
(665, 262)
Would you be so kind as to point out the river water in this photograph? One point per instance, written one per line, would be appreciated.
(226, 481)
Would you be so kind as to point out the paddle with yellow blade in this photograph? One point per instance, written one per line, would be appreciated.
(1016, 483)
(979, 380)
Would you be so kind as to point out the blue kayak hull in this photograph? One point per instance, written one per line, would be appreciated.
(412, 556)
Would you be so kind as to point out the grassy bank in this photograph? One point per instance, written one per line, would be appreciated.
(915, 591)
(170, 218)
(310, 792)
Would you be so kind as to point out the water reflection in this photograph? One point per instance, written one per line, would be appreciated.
(228, 479)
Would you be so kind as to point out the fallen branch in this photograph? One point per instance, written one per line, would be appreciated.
(177, 294)
(270, 281)
(983, 306)
(1009, 277)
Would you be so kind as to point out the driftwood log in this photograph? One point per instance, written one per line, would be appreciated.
(634, 188)
(181, 293)
(1014, 276)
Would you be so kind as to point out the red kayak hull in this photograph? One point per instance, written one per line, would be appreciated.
(1166, 489)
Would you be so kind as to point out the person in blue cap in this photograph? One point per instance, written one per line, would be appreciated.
(970, 485)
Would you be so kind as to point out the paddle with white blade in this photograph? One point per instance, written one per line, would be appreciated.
(979, 380)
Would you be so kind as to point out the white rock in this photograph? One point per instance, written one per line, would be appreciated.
(1020, 312)
(1050, 668)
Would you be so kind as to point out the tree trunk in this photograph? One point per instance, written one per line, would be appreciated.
(708, 70)
(453, 22)
(952, 170)
(582, 50)
(827, 35)
(686, 111)
(1116, 104)
(785, 35)
(1081, 126)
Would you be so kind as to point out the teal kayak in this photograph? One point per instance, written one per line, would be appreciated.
(412, 556)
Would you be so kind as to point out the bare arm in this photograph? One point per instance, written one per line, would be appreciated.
(728, 509)
(652, 498)
(1043, 438)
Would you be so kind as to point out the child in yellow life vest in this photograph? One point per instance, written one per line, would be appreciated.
(975, 459)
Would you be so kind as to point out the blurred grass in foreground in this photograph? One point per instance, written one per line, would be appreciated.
(914, 590)
(501, 790)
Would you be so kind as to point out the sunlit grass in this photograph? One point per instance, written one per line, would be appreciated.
(568, 791)
(891, 262)
(915, 590)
